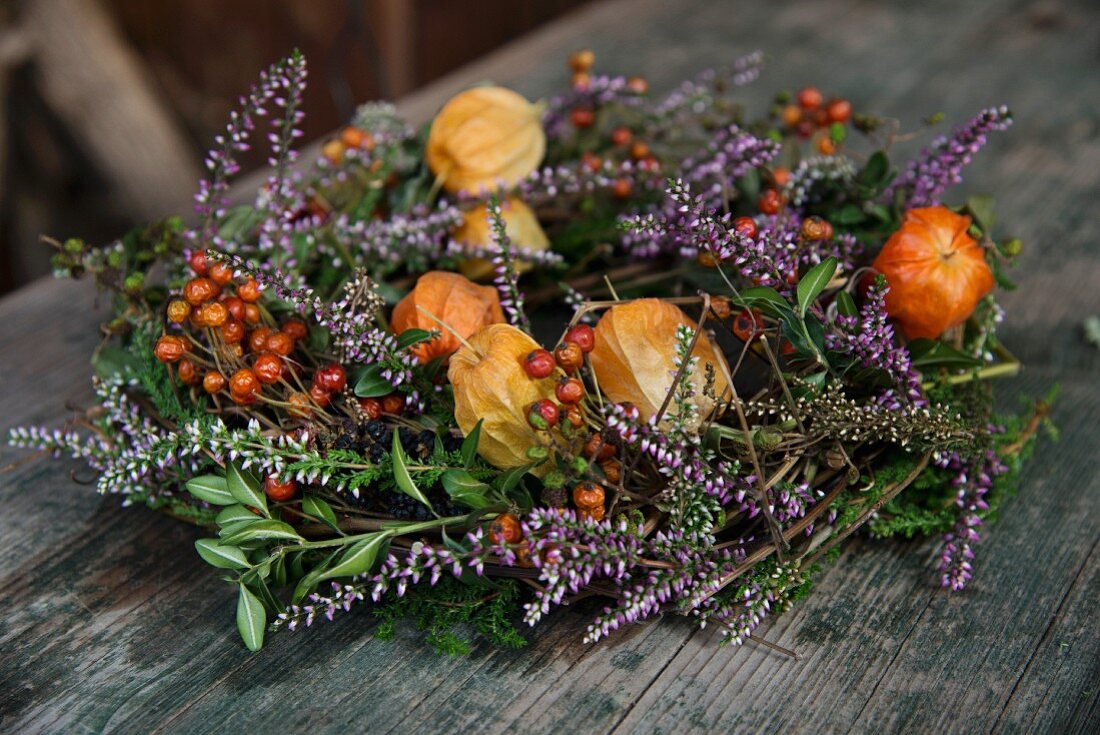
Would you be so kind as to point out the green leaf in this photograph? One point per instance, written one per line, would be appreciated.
(849, 214)
(401, 474)
(372, 385)
(264, 530)
(359, 558)
(876, 170)
(309, 581)
(846, 305)
(314, 506)
(113, 360)
(508, 479)
(211, 488)
(229, 529)
(235, 513)
(251, 619)
(410, 337)
(244, 486)
(469, 445)
(462, 487)
(931, 353)
(222, 557)
(982, 210)
(814, 282)
(767, 300)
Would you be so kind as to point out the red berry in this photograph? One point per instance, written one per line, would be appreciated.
(505, 529)
(637, 85)
(583, 335)
(639, 150)
(235, 306)
(214, 314)
(279, 492)
(569, 356)
(319, 395)
(770, 201)
(582, 117)
(232, 332)
(280, 343)
(621, 136)
(539, 364)
(543, 414)
(745, 226)
(569, 391)
(244, 386)
(220, 274)
(591, 161)
(810, 98)
(213, 382)
(839, 110)
(257, 340)
(296, 328)
(622, 188)
(393, 404)
(748, 325)
(188, 373)
(170, 348)
(249, 291)
(251, 314)
(198, 262)
(598, 448)
(268, 368)
(331, 377)
(198, 291)
(372, 407)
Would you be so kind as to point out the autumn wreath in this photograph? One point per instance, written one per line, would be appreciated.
(647, 350)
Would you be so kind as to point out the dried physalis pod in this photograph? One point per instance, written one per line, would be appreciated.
(491, 385)
(635, 353)
(460, 304)
(483, 137)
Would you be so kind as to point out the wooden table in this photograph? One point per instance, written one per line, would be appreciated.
(111, 622)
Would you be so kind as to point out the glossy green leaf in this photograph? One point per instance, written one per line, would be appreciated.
(235, 513)
(245, 488)
(371, 384)
(314, 506)
(410, 337)
(359, 558)
(263, 530)
(211, 488)
(401, 474)
(813, 283)
(222, 557)
(766, 299)
(462, 487)
(251, 619)
(981, 208)
(508, 479)
(931, 353)
(846, 305)
(469, 445)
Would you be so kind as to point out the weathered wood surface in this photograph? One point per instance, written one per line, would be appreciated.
(111, 622)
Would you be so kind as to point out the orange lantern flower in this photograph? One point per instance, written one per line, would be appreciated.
(484, 136)
(634, 356)
(520, 224)
(491, 386)
(453, 299)
(937, 272)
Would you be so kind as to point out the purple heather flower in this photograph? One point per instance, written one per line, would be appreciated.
(940, 165)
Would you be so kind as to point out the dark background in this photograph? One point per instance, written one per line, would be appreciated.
(107, 106)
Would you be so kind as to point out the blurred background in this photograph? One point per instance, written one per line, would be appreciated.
(107, 106)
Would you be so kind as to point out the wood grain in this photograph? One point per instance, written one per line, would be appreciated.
(111, 623)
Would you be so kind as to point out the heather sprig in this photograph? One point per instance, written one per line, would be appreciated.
(939, 166)
(504, 266)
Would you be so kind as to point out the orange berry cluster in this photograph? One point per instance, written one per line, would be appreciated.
(240, 355)
(811, 116)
